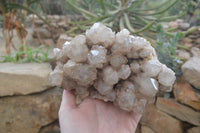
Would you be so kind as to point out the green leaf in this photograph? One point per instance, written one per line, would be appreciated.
(83, 11)
(145, 28)
(158, 12)
(103, 6)
(128, 24)
(121, 23)
(136, 4)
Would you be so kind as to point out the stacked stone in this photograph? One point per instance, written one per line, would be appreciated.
(183, 107)
(192, 40)
(120, 68)
(48, 35)
(27, 99)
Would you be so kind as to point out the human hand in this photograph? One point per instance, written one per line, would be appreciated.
(94, 116)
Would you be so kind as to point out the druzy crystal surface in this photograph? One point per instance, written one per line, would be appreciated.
(118, 68)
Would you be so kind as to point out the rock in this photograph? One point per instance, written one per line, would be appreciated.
(194, 130)
(62, 39)
(36, 42)
(56, 32)
(160, 122)
(166, 78)
(179, 111)
(100, 61)
(41, 32)
(145, 129)
(56, 18)
(52, 128)
(23, 78)
(63, 24)
(188, 45)
(197, 41)
(185, 94)
(179, 20)
(48, 42)
(194, 36)
(22, 114)
(195, 52)
(38, 22)
(186, 40)
(191, 71)
(173, 24)
(183, 26)
(183, 54)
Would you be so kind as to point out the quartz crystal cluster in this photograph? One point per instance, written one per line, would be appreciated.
(119, 68)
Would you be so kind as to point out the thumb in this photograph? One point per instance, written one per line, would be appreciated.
(68, 100)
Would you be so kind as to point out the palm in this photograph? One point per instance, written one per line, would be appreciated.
(94, 116)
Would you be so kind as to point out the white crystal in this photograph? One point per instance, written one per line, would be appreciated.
(102, 87)
(120, 68)
(165, 88)
(146, 86)
(139, 43)
(124, 72)
(133, 55)
(141, 103)
(56, 76)
(68, 83)
(117, 60)
(100, 34)
(123, 43)
(84, 74)
(126, 98)
(97, 55)
(109, 97)
(147, 52)
(135, 67)
(77, 49)
(110, 76)
(60, 55)
(56, 52)
(120, 36)
(152, 68)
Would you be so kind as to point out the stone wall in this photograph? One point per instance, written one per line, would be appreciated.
(179, 112)
(48, 35)
(28, 104)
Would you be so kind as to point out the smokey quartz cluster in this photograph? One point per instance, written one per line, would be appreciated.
(119, 68)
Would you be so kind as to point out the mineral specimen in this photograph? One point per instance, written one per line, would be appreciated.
(119, 68)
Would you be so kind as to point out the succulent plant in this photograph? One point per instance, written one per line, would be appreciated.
(119, 14)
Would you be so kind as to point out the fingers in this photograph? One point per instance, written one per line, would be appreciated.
(68, 100)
